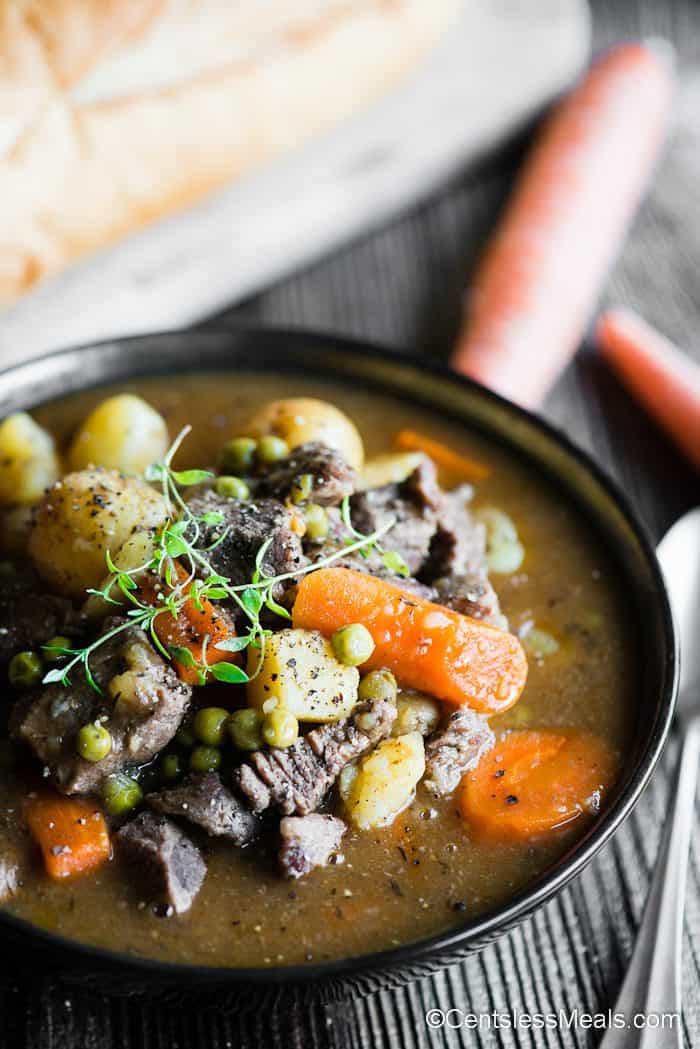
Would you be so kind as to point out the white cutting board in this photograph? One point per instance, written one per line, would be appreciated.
(501, 63)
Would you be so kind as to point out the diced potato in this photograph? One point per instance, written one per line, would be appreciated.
(504, 551)
(392, 468)
(123, 433)
(138, 550)
(301, 672)
(302, 419)
(416, 713)
(385, 782)
(81, 518)
(29, 462)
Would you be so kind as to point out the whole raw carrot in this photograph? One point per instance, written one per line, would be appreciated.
(536, 285)
(71, 833)
(664, 379)
(427, 646)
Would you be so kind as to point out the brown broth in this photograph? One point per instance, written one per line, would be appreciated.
(427, 873)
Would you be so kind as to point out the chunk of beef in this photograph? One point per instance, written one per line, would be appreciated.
(172, 864)
(415, 505)
(331, 477)
(206, 802)
(245, 527)
(472, 595)
(295, 780)
(455, 749)
(29, 617)
(458, 545)
(141, 704)
(308, 842)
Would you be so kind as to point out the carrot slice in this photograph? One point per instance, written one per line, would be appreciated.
(461, 466)
(71, 833)
(535, 782)
(536, 285)
(666, 381)
(190, 629)
(427, 646)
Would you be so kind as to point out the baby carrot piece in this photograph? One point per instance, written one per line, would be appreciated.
(536, 285)
(664, 379)
(428, 647)
(189, 629)
(71, 833)
(461, 466)
(535, 782)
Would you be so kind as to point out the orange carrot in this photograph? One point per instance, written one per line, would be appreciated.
(461, 466)
(71, 833)
(428, 647)
(190, 629)
(538, 280)
(665, 380)
(535, 782)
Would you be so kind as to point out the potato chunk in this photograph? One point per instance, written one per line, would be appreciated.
(385, 781)
(123, 433)
(301, 419)
(29, 463)
(416, 713)
(301, 672)
(391, 468)
(81, 518)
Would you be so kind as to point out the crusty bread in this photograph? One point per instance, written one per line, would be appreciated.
(157, 124)
(47, 45)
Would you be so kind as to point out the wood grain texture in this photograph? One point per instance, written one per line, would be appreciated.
(403, 286)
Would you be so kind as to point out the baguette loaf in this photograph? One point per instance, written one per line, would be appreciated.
(159, 124)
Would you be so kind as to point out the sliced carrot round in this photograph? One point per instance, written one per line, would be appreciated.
(535, 782)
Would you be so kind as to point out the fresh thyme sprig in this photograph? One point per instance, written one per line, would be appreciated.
(180, 562)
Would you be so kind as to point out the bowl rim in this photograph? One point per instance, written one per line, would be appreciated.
(474, 934)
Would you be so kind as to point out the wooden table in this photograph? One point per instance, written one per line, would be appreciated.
(403, 286)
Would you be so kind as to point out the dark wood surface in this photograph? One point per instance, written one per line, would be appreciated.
(403, 286)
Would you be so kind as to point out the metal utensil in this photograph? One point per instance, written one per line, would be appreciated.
(653, 980)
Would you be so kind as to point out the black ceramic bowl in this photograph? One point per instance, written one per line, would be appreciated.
(579, 480)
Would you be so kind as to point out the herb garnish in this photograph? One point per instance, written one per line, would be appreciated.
(177, 543)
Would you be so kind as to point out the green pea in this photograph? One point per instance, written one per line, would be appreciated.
(205, 759)
(121, 794)
(170, 766)
(238, 455)
(301, 489)
(26, 670)
(210, 724)
(232, 488)
(378, 684)
(184, 736)
(352, 644)
(54, 649)
(244, 728)
(316, 522)
(271, 449)
(94, 742)
(280, 728)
